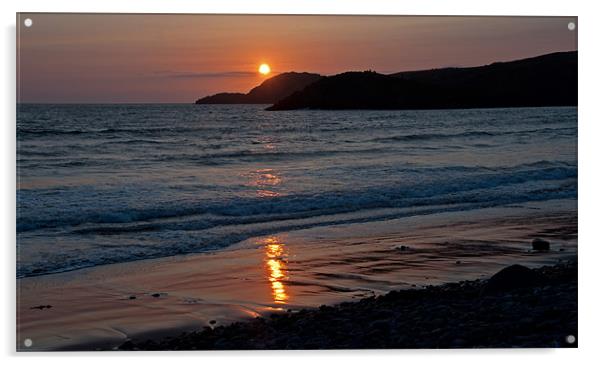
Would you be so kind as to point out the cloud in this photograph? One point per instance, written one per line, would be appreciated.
(189, 74)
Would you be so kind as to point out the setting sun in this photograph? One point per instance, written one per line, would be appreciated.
(264, 69)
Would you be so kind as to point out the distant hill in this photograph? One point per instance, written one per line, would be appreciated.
(548, 80)
(269, 92)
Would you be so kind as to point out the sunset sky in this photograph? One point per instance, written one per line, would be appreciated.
(93, 58)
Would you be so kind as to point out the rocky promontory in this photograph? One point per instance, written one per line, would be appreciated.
(269, 92)
(548, 80)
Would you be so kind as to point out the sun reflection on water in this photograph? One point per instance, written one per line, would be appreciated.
(276, 267)
(266, 181)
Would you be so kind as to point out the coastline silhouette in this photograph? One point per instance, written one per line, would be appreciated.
(547, 80)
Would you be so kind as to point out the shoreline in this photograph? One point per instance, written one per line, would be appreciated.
(103, 307)
(453, 315)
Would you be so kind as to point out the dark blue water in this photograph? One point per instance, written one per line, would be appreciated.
(102, 184)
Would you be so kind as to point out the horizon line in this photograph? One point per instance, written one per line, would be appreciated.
(280, 73)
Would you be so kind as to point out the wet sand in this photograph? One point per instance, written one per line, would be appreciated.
(538, 311)
(102, 307)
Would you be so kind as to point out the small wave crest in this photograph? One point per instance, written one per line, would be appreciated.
(432, 186)
(468, 134)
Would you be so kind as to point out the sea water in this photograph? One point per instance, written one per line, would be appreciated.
(100, 184)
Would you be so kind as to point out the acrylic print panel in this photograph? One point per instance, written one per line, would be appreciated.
(204, 182)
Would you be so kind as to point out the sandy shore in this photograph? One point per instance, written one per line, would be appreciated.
(103, 307)
(539, 310)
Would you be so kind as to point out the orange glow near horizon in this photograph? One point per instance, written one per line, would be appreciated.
(276, 266)
(164, 58)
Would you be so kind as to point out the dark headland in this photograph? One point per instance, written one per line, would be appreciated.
(517, 307)
(269, 92)
(548, 80)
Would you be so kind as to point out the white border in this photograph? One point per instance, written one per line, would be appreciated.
(590, 121)
(424, 7)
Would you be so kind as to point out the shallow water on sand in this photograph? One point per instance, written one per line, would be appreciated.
(104, 306)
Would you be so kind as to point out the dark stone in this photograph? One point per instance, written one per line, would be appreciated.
(540, 244)
(41, 307)
(132, 297)
(511, 277)
(156, 295)
(380, 325)
(458, 343)
(213, 321)
(128, 346)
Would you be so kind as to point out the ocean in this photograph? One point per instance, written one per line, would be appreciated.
(101, 184)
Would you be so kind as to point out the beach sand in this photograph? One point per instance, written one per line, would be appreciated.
(102, 307)
(516, 307)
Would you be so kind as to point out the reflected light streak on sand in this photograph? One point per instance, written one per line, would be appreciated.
(276, 267)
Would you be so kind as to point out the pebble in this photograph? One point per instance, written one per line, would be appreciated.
(540, 244)
(511, 277)
(41, 307)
